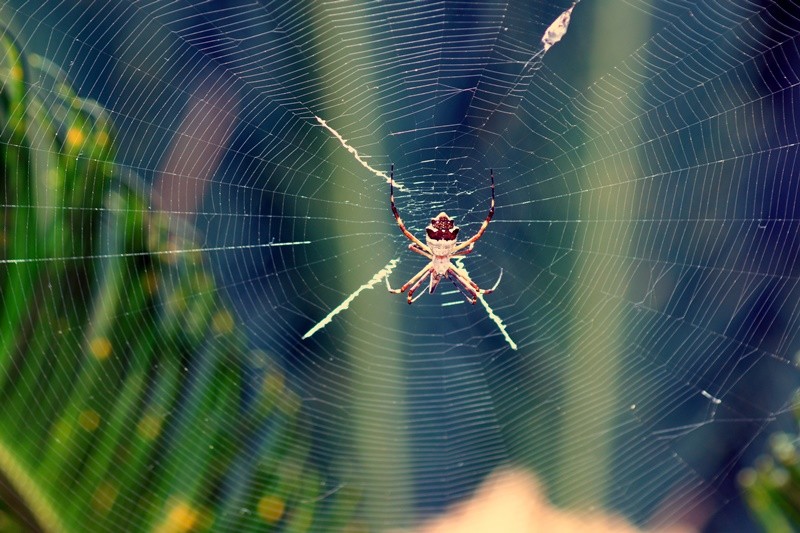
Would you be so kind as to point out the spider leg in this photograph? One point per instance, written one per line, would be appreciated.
(485, 224)
(468, 284)
(464, 278)
(496, 283)
(465, 252)
(468, 293)
(410, 282)
(435, 279)
(414, 248)
(399, 220)
(414, 288)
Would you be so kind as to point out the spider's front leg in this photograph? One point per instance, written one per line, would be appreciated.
(485, 224)
(399, 220)
(464, 252)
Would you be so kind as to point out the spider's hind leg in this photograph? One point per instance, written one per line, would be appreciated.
(410, 282)
(435, 279)
(465, 291)
(413, 289)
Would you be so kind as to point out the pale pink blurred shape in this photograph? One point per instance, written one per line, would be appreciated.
(511, 501)
(197, 149)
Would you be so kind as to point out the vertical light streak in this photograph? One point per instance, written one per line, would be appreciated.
(595, 368)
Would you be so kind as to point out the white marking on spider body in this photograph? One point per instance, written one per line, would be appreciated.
(355, 153)
(381, 274)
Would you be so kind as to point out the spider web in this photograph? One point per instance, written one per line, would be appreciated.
(642, 341)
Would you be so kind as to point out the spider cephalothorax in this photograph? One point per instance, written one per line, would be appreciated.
(439, 248)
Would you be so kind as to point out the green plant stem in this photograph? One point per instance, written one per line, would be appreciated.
(21, 277)
(213, 394)
(120, 420)
(136, 456)
(30, 490)
(70, 441)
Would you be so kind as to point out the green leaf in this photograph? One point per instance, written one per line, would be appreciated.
(122, 372)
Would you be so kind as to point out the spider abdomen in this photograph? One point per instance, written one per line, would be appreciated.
(440, 265)
(441, 251)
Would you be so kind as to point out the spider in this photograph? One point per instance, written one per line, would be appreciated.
(440, 248)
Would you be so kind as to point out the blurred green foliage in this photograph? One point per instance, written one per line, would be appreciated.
(121, 370)
(772, 486)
